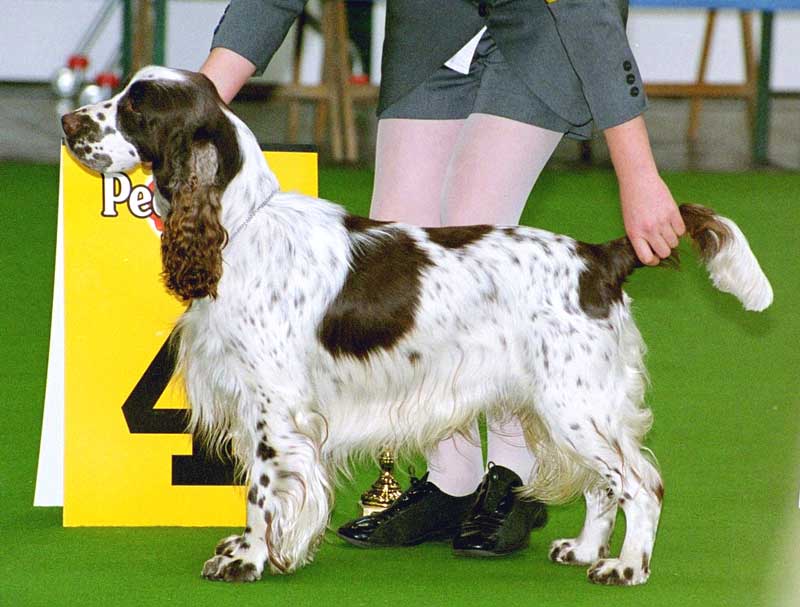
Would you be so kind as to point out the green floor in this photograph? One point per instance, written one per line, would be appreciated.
(726, 397)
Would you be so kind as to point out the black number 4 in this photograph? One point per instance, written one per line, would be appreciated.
(200, 468)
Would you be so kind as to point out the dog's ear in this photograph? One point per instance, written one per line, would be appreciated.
(193, 236)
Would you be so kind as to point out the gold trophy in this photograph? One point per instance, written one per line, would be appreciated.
(385, 490)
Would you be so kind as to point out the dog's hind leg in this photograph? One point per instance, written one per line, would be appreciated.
(592, 543)
(639, 493)
(604, 438)
(288, 500)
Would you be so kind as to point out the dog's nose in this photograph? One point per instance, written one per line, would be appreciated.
(70, 123)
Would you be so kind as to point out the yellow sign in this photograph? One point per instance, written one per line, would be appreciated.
(126, 460)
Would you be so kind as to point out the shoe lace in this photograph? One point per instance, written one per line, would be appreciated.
(491, 507)
(416, 488)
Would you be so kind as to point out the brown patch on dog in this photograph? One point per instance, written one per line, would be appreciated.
(239, 571)
(265, 452)
(457, 237)
(378, 302)
(252, 495)
(180, 127)
(356, 223)
(607, 267)
(513, 234)
(708, 233)
(81, 128)
(192, 241)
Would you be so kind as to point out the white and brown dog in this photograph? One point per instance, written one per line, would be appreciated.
(313, 335)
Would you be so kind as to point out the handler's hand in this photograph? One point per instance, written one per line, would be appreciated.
(652, 220)
(651, 217)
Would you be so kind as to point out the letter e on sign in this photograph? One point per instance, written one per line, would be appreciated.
(140, 202)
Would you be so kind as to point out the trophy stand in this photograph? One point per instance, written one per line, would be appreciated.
(385, 490)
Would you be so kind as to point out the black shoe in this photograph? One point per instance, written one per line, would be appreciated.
(423, 513)
(500, 522)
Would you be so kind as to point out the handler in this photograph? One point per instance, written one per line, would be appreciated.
(474, 98)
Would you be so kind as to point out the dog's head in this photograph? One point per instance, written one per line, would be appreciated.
(176, 122)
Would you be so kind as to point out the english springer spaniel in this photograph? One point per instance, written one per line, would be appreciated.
(313, 335)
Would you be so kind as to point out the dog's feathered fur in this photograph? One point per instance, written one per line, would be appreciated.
(313, 334)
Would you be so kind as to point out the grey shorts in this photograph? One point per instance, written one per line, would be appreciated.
(491, 87)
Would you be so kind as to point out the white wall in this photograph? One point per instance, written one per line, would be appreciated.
(667, 45)
(39, 35)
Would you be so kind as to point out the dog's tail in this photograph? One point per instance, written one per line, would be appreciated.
(723, 249)
(727, 256)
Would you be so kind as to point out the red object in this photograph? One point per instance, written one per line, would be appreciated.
(78, 62)
(107, 79)
(155, 218)
(359, 79)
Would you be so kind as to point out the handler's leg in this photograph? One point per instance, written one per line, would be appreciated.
(495, 164)
(411, 163)
(411, 158)
(494, 167)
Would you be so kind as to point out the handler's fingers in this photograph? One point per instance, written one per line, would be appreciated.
(670, 237)
(643, 252)
(659, 246)
(676, 221)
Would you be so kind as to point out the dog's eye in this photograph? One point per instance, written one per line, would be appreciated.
(136, 94)
(126, 105)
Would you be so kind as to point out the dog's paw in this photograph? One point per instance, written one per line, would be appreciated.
(230, 545)
(615, 572)
(573, 552)
(237, 558)
(229, 569)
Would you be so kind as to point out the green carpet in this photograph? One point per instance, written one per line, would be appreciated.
(725, 396)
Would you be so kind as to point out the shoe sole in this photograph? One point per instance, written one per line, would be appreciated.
(431, 537)
(479, 553)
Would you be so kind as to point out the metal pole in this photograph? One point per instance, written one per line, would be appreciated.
(126, 52)
(90, 37)
(159, 31)
(761, 134)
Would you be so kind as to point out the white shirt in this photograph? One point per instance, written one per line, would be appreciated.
(461, 61)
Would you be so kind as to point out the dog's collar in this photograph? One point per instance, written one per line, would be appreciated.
(250, 217)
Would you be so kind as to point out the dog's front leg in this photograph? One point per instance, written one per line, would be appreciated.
(288, 501)
(241, 558)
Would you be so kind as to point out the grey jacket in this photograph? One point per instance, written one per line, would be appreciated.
(573, 54)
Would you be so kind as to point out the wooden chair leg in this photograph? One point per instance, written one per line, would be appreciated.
(329, 78)
(293, 110)
(750, 68)
(292, 121)
(320, 121)
(343, 73)
(697, 102)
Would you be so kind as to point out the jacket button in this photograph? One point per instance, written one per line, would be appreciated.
(627, 65)
(634, 91)
(630, 79)
(483, 9)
